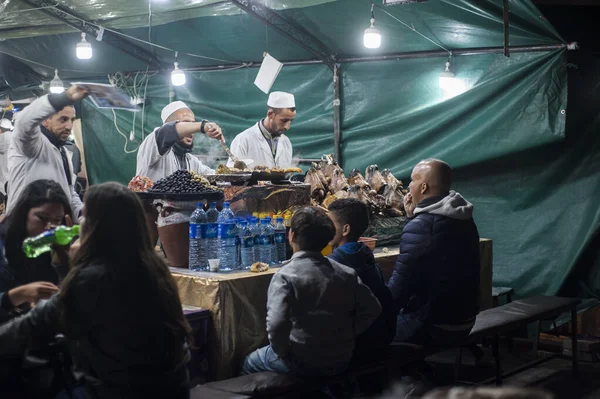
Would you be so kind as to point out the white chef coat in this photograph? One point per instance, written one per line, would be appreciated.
(4, 144)
(251, 144)
(155, 166)
(31, 156)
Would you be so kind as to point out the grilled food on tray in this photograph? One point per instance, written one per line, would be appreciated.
(293, 170)
(225, 170)
(381, 191)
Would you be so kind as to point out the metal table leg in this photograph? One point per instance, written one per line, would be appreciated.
(574, 340)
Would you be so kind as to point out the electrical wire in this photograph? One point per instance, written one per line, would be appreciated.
(152, 44)
(121, 133)
(40, 64)
(411, 28)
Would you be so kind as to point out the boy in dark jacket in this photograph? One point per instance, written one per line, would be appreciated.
(351, 219)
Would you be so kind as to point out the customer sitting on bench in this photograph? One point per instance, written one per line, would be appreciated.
(435, 284)
(351, 218)
(315, 306)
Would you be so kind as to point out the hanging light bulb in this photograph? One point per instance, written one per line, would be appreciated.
(177, 76)
(84, 48)
(56, 85)
(447, 80)
(372, 37)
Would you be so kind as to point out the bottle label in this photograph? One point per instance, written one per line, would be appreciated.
(257, 240)
(279, 238)
(248, 242)
(266, 240)
(194, 231)
(211, 230)
(226, 230)
(201, 230)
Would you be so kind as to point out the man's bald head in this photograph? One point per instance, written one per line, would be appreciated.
(439, 175)
(430, 177)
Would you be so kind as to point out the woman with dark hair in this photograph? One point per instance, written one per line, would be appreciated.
(118, 307)
(43, 206)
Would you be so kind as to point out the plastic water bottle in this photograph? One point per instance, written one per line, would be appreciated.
(255, 228)
(266, 248)
(280, 240)
(211, 231)
(246, 245)
(238, 246)
(226, 248)
(198, 259)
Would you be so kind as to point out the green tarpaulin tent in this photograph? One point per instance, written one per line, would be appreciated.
(528, 162)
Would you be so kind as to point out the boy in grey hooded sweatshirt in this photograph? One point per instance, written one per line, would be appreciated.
(316, 307)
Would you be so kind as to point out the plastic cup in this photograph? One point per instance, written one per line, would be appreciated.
(213, 265)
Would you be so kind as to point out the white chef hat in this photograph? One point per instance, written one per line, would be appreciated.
(281, 99)
(170, 108)
(6, 124)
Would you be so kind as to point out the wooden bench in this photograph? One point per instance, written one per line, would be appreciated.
(506, 318)
(490, 323)
(269, 384)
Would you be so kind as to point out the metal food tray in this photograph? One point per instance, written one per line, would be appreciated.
(209, 196)
(272, 176)
(229, 178)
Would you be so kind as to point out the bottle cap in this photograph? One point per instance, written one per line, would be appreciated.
(279, 220)
(199, 205)
(225, 204)
(213, 204)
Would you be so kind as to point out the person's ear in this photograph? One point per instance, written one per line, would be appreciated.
(424, 188)
(346, 230)
(291, 236)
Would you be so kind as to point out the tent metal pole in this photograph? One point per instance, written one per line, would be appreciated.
(441, 53)
(337, 133)
(290, 29)
(506, 22)
(399, 56)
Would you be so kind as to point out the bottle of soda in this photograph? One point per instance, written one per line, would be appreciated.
(62, 235)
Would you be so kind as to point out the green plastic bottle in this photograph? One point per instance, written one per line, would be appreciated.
(62, 235)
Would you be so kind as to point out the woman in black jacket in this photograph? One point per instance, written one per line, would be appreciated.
(118, 307)
(43, 206)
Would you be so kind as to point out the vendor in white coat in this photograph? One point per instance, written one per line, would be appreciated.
(265, 142)
(37, 149)
(168, 148)
(6, 128)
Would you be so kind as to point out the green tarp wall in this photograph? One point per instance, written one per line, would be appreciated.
(534, 182)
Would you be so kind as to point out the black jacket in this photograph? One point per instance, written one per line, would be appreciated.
(437, 272)
(360, 258)
(119, 341)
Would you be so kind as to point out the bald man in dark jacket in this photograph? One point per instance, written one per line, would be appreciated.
(435, 284)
